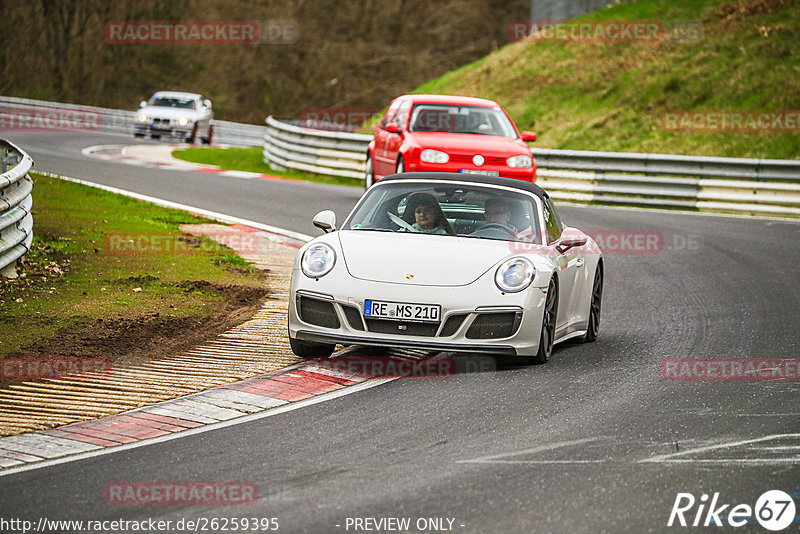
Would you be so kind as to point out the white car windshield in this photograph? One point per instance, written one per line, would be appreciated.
(460, 119)
(446, 209)
(172, 102)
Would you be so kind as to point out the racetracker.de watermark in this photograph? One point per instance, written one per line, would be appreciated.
(386, 366)
(732, 120)
(614, 242)
(129, 244)
(730, 369)
(339, 119)
(48, 367)
(604, 31)
(180, 493)
(201, 32)
(49, 119)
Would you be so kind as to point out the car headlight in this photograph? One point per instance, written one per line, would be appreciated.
(318, 260)
(520, 161)
(183, 121)
(514, 275)
(141, 117)
(434, 156)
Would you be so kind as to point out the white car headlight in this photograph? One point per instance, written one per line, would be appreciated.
(514, 275)
(183, 121)
(141, 117)
(434, 156)
(318, 260)
(519, 161)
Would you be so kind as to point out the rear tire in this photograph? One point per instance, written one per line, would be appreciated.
(369, 173)
(548, 333)
(595, 306)
(306, 349)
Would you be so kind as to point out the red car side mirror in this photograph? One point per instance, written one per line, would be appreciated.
(393, 127)
(528, 136)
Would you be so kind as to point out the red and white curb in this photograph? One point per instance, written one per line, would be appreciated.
(159, 157)
(207, 410)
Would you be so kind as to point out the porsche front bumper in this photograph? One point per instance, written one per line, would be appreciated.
(475, 318)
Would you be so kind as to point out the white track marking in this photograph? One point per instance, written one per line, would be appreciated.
(676, 456)
(501, 458)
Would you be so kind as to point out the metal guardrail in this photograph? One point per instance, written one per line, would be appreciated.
(16, 221)
(290, 146)
(56, 115)
(736, 185)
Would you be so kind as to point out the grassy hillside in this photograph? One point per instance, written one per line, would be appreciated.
(612, 95)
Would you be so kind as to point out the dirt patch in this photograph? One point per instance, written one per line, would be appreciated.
(134, 340)
(747, 8)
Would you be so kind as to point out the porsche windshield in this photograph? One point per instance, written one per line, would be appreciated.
(446, 209)
(460, 119)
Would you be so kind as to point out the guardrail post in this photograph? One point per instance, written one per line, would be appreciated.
(6, 160)
(9, 271)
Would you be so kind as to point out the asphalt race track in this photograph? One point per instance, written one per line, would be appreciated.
(594, 441)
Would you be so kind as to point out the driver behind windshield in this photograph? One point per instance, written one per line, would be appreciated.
(497, 211)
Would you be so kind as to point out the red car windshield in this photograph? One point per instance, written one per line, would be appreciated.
(460, 119)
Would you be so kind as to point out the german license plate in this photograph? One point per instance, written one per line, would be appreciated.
(402, 311)
(485, 173)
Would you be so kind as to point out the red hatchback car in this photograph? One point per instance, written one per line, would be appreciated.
(450, 134)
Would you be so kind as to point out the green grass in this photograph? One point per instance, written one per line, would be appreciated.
(74, 274)
(251, 159)
(612, 96)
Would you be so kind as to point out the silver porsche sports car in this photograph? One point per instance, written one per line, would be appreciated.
(447, 262)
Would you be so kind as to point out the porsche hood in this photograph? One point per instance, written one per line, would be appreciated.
(426, 260)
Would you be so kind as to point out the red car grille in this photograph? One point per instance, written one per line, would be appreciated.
(467, 158)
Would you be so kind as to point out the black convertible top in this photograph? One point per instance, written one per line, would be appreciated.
(467, 177)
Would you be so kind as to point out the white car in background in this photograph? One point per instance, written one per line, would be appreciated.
(499, 275)
(187, 116)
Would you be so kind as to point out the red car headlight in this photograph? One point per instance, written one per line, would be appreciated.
(434, 156)
(520, 161)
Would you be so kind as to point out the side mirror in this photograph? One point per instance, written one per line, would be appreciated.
(528, 136)
(325, 220)
(393, 127)
(207, 103)
(570, 238)
(142, 104)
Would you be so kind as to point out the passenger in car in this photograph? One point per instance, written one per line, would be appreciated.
(427, 215)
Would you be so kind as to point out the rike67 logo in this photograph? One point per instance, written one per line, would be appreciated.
(774, 510)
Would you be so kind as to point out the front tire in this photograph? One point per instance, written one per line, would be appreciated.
(595, 306)
(548, 333)
(369, 173)
(401, 168)
(306, 349)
